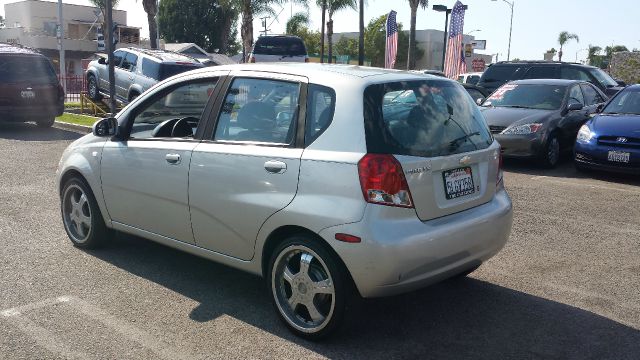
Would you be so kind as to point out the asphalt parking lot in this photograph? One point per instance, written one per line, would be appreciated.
(566, 286)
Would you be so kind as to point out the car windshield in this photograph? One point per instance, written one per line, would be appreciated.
(423, 118)
(603, 78)
(282, 46)
(530, 96)
(32, 69)
(628, 102)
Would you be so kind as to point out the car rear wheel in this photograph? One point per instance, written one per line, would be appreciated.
(92, 87)
(309, 287)
(81, 215)
(551, 152)
(46, 122)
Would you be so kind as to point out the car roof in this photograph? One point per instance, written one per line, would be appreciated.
(17, 50)
(164, 55)
(541, 62)
(546, 82)
(329, 73)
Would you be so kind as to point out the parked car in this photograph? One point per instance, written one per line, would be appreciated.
(469, 78)
(502, 72)
(431, 72)
(540, 118)
(136, 70)
(279, 48)
(610, 141)
(477, 93)
(29, 87)
(320, 198)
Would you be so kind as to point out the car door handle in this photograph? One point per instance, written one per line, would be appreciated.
(275, 167)
(173, 159)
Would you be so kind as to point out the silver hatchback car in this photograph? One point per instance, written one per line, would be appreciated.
(327, 180)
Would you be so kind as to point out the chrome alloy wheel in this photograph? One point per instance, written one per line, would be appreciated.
(303, 289)
(76, 213)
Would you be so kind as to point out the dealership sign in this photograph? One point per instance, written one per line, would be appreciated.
(478, 64)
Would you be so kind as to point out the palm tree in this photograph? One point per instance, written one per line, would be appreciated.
(593, 54)
(361, 33)
(411, 58)
(332, 7)
(151, 8)
(323, 5)
(297, 22)
(563, 38)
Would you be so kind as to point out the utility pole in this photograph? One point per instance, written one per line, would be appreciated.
(60, 34)
(324, 10)
(264, 25)
(110, 45)
(361, 38)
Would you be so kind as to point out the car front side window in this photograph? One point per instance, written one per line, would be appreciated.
(175, 113)
(259, 110)
(591, 96)
(118, 56)
(575, 95)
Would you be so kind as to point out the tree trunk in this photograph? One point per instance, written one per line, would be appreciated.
(560, 53)
(246, 29)
(224, 34)
(411, 57)
(153, 30)
(361, 36)
(324, 10)
(330, 38)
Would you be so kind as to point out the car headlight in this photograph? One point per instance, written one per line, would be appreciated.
(585, 134)
(523, 129)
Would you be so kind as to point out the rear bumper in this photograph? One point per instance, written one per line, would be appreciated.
(520, 146)
(31, 113)
(400, 253)
(594, 156)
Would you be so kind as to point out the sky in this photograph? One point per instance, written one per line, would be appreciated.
(536, 23)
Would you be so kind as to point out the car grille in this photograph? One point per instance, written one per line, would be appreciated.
(496, 129)
(616, 141)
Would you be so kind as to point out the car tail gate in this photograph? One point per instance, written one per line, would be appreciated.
(436, 134)
(27, 81)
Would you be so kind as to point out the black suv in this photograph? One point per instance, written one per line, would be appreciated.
(29, 87)
(502, 72)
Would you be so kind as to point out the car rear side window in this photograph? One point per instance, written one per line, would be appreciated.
(259, 110)
(571, 73)
(502, 73)
(290, 46)
(321, 102)
(433, 118)
(542, 72)
(32, 69)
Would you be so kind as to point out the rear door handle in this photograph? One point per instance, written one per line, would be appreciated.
(275, 167)
(173, 159)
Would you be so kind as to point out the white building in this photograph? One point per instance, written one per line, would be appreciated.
(33, 23)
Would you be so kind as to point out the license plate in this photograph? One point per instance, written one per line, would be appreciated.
(458, 182)
(618, 156)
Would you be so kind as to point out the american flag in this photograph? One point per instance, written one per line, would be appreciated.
(454, 63)
(391, 48)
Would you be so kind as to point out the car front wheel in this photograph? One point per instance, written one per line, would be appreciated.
(46, 122)
(81, 215)
(308, 287)
(551, 152)
(92, 87)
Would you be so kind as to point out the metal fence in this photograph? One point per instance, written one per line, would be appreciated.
(75, 85)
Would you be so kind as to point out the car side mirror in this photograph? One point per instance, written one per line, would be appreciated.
(574, 107)
(102, 61)
(106, 127)
(620, 82)
(479, 101)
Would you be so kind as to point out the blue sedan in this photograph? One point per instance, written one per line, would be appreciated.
(611, 140)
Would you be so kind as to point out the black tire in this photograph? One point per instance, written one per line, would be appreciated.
(81, 216)
(550, 155)
(133, 96)
(46, 122)
(325, 269)
(93, 89)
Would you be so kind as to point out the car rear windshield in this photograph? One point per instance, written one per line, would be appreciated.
(35, 70)
(501, 73)
(280, 46)
(530, 96)
(422, 118)
(160, 71)
(627, 102)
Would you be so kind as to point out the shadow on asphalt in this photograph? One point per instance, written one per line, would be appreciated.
(565, 169)
(31, 132)
(464, 318)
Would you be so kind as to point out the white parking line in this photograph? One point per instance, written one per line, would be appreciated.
(582, 184)
(18, 317)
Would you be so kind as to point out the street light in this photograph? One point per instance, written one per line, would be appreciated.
(510, 26)
(447, 11)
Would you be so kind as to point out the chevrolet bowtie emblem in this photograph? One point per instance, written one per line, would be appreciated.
(465, 160)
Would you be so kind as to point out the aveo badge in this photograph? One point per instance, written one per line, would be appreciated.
(28, 94)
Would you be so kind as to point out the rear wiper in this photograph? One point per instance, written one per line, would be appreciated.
(455, 143)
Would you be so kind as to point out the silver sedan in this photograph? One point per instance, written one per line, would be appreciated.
(328, 181)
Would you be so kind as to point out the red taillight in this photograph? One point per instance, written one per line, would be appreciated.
(382, 181)
(499, 178)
